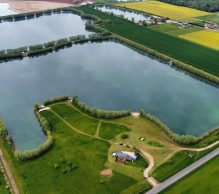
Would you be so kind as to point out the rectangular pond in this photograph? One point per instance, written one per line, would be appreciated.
(40, 30)
(105, 75)
(129, 15)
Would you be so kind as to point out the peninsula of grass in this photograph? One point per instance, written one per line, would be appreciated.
(202, 180)
(188, 52)
(76, 159)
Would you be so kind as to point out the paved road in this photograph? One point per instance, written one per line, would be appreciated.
(183, 173)
(9, 174)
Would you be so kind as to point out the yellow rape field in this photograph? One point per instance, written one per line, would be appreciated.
(164, 9)
(204, 37)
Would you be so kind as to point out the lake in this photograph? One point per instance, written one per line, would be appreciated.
(4, 9)
(40, 30)
(105, 75)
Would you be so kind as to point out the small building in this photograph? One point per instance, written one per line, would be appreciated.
(124, 156)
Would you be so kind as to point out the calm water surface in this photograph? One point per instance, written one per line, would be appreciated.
(4, 9)
(40, 30)
(127, 15)
(106, 75)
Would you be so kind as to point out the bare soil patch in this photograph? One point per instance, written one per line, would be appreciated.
(106, 172)
(31, 6)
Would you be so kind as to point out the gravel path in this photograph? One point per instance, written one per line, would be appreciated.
(9, 174)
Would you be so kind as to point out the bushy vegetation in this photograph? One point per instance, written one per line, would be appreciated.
(99, 113)
(4, 187)
(34, 153)
(4, 134)
(180, 139)
(55, 100)
(205, 5)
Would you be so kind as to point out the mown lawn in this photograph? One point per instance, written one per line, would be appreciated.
(111, 130)
(186, 51)
(203, 180)
(79, 121)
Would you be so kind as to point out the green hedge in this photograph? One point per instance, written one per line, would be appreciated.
(55, 100)
(4, 134)
(180, 139)
(99, 113)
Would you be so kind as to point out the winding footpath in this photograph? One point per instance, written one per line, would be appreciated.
(160, 187)
(9, 174)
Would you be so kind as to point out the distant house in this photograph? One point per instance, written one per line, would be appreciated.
(123, 156)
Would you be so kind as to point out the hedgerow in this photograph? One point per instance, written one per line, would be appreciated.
(99, 113)
(180, 139)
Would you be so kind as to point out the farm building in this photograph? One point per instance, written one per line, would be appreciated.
(123, 156)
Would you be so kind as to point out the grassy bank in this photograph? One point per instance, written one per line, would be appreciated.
(202, 180)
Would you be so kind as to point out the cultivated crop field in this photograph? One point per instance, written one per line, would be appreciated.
(164, 9)
(204, 37)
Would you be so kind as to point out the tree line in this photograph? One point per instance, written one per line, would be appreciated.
(98, 113)
(205, 5)
(180, 139)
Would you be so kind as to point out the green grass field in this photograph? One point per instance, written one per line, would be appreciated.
(111, 130)
(214, 18)
(191, 53)
(203, 180)
(79, 121)
(178, 162)
(174, 29)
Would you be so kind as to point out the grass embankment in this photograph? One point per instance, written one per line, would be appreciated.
(202, 180)
(178, 162)
(74, 162)
(164, 9)
(188, 52)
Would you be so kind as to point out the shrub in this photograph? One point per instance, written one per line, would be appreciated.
(124, 136)
(99, 113)
(181, 139)
(55, 100)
